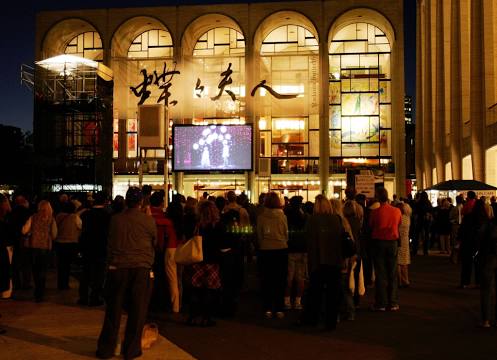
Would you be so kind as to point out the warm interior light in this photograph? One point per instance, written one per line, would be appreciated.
(355, 160)
(289, 124)
(289, 89)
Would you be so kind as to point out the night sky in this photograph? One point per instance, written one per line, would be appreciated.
(17, 25)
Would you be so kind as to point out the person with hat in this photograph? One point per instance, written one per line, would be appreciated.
(130, 256)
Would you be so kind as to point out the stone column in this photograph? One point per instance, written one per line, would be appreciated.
(250, 79)
(477, 86)
(324, 122)
(427, 141)
(419, 100)
(455, 90)
(183, 92)
(398, 115)
(440, 95)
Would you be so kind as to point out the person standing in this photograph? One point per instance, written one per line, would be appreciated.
(43, 230)
(6, 240)
(455, 216)
(19, 215)
(487, 236)
(132, 237)
(166, 247)
(444, 227)
(272, 237)
(324, 232)
(384, 222)
(5, 235)
(93, 246)
(206, 277)
(66, 243)
(404, 258)
(469, 244)
(297, 253)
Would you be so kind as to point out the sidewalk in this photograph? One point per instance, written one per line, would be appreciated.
(60, 329)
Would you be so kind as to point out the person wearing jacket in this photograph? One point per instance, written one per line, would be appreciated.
(206, 276)
(487, 253)
(43, 230)
(324, 233)
(130, 256)
(93, 247)
(272, 237)
(66, 244)
(5, 235)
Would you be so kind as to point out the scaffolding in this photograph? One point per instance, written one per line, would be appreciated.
(73, 124)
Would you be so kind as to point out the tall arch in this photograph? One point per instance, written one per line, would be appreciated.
(142, 43)
(286, 48)
(128, 31)
(370, 130)
(61, 34)
(359, 15)
(213, 45)
(282, 18)
(202, 25)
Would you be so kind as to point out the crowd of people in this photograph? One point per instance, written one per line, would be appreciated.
(331, 250)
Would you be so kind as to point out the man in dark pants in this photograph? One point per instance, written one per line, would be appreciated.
(384, 222)
(132, 237)
(93, 245)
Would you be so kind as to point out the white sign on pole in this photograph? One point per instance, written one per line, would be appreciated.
(364, 184)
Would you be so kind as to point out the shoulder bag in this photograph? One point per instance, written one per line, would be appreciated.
(190, 252)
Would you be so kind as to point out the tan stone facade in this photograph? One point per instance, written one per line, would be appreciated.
(456, 123)
(117, 29)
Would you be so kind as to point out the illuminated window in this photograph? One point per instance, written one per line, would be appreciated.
(115, 138)
(289, 128)
(148, 51)
(218, 98)
(289, 38)
(448, 171)
(132, 138)
(220, 41)
(490, 166)
(87, 45)
(360, 93)
(467, 168)
(151, 44)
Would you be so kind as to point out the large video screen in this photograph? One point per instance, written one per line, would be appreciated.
(212, 147)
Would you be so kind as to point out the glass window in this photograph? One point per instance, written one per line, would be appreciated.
(219, 66)
(132, 138)
(220, 41)
(290, 65)
(87, 45)
(289, 38)
(151, 44)
(360, 94)
(115, 138)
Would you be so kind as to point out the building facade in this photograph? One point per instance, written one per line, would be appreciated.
(322, 82)
(456, 121)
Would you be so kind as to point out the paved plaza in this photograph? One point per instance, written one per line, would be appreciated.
(436, 321)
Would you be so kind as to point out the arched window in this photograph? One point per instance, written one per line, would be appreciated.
(147, 51)
(360, 96)
(87, 45)
(289, 128)
(220, 41)
(219, 58)
(151, 44)
(289, 38)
